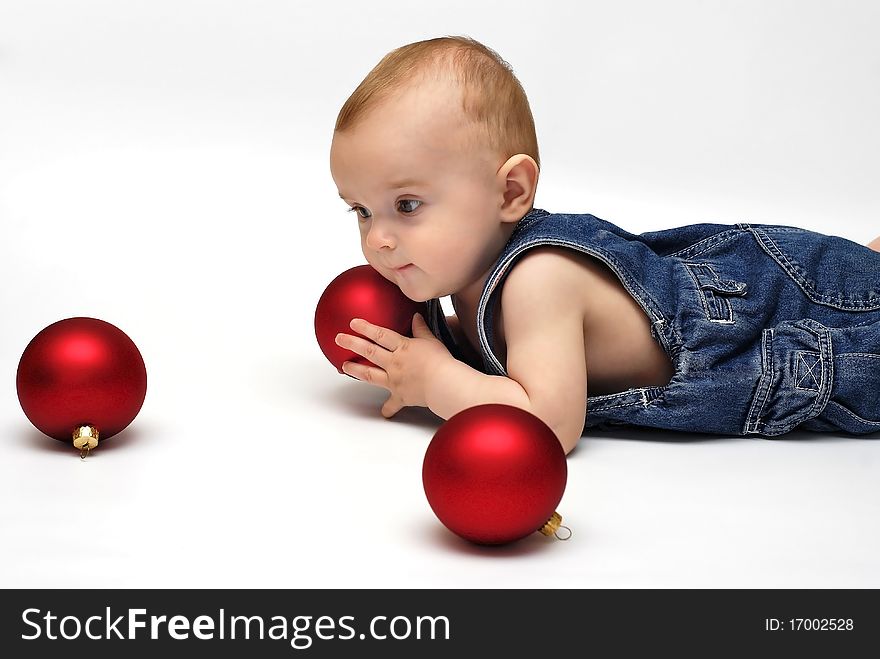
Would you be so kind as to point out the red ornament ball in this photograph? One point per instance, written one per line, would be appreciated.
(81, 371)
(494, 474)
(361, 292)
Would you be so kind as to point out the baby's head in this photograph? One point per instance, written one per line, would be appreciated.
(435, 151)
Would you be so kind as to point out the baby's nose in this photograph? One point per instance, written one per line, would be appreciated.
(379, 236)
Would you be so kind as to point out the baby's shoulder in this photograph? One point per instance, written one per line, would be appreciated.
(549, 274)
(550, 268)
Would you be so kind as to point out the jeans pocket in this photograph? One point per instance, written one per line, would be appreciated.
(715, 292)
(831, 271)
(856, 393)
(797, 374)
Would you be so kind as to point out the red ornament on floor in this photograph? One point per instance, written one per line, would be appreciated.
(494, 474)
(361, 292)
(81, 379)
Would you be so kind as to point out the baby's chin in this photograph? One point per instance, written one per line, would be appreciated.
(418, 294)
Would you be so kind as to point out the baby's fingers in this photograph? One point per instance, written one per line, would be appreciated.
(388, 339)
(368, 374)
(391, 407)
(375, 353)
(420, 328)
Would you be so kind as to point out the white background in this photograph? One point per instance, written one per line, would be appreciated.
(164, 167)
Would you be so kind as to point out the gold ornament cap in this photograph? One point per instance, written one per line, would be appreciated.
(85, 438)
(552, 526)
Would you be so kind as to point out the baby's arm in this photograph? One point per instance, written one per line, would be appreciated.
(546, 364)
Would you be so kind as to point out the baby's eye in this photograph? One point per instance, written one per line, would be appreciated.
(359, 209)
(409, 201)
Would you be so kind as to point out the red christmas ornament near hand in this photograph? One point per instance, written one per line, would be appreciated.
(79, 379)
(494, 474)
(361, 292)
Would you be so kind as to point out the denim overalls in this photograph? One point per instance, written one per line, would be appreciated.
(768, 328)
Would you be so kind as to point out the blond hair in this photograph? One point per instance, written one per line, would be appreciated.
(492, 97)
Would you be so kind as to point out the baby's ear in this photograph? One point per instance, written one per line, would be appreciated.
(520, 174)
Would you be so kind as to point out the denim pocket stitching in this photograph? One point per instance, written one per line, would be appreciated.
(794, 271)
(706, 244)
(770, 376)
(808, 370)
(756, 411)
(715, 304)
(855, 416)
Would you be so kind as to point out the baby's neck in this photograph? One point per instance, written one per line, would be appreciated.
(466, 301)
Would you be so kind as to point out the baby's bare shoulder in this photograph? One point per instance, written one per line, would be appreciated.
(550, 272)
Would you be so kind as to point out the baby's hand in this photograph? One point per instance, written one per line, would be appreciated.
(405, 365)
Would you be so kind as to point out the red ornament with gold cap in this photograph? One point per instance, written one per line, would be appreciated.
(81, 380)
(494, 474)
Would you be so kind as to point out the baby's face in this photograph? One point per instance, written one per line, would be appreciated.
(427, 203)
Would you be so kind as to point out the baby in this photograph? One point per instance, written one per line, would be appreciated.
(745, 329)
